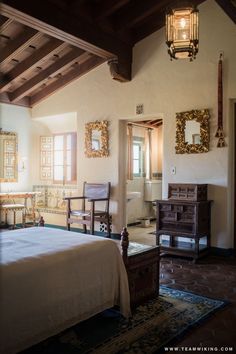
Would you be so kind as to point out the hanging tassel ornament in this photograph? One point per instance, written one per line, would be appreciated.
(220, 133)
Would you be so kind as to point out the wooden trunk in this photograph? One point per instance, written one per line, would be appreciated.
(142, 265)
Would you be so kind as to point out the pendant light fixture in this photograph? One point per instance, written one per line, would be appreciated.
(182, 35)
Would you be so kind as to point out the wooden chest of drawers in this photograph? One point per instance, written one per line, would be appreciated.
(187, 219)
(142, 266)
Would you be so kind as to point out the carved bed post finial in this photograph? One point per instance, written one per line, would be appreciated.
(124, 244)
(41, 221)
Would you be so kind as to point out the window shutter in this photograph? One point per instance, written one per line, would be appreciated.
(46, 158)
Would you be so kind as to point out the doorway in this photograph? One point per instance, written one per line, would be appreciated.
(144, 170)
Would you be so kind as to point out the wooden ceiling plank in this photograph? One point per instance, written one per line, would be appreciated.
(32, 61)
(140, 11)
(228, 8)
(80, 70)
(108, 7)
(5, 24)
(18, 44)
(66, 28)
(4, 98)
(53, 69)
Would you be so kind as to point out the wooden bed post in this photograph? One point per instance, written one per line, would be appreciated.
(124, 244)
(41, 221)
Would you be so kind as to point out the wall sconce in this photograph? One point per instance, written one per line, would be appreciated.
(182, 35)
(22, 164)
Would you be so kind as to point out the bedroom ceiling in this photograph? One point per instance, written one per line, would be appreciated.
(46, 45)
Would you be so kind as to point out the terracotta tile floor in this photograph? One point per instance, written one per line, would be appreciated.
(210, 276)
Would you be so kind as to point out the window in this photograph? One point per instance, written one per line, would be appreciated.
(138, 157)
(61, 158)
(64, 158)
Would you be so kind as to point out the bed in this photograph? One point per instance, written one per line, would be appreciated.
(52, 279)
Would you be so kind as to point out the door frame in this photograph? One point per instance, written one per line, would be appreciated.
(232, 174)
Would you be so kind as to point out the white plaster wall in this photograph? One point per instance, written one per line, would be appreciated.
(164, 87)
(18, 120)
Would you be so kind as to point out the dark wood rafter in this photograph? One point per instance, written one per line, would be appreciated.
(142, 9)
(53, 69)
(37, 40)
(25, 101)
(152, 123)
(78, 71)
(3, 19)
(108, 7)
(71, 30)
(228, 7)
(18, 44)
(29, 63)
(4, 23)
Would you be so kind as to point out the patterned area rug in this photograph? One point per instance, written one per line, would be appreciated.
(154, 325)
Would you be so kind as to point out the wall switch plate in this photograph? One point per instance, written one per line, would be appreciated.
(173, 170)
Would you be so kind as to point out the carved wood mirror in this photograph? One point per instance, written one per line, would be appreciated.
(96, 139)
(192, 132)
(8, 157)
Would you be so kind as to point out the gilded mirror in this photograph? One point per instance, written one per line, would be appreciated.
(96, 139)
(8, 157)
(192, 132)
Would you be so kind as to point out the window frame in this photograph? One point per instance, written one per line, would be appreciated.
(139, 141)
(73, 168)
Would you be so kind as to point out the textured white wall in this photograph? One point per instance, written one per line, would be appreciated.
(18, 120)
(164, 87)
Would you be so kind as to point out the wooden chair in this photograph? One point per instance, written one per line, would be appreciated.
(92, 193)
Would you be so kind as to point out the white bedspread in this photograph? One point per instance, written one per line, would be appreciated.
(52, 279)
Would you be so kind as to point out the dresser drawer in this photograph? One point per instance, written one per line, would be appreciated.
(176, 226)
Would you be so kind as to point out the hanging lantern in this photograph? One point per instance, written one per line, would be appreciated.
(182, 33)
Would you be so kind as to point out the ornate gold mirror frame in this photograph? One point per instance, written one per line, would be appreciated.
(199, 116)
(96, 139)
(8, 157)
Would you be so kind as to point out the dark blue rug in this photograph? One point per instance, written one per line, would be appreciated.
(153, 325)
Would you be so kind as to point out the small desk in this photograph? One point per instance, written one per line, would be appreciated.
(142, 265)
(8, 196)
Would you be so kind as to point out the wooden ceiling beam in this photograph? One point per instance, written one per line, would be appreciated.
(154, 23)
(70, 29)
(229, 8)
(66, 28)
(17, 45)
(141, 10)
(32, 61)
(78, 71)
(4, 98)
(108, 7)
(53, 69)
(4, 24)
(3, 19)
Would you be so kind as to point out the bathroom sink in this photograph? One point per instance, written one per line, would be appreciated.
(132, 195)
